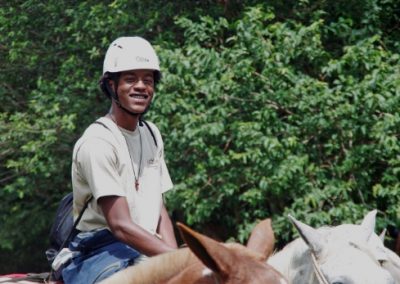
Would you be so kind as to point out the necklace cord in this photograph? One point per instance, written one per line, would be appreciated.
(130, 155)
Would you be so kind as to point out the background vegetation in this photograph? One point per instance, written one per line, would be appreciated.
(266, 108)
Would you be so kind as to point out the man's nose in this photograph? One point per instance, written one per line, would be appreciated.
(139, 84)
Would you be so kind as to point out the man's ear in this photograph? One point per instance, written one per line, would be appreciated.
(111, 83)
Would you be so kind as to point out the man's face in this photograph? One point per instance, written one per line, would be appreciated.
(136, 89)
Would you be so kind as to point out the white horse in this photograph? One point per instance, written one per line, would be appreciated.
(345, 254)
(386, 257)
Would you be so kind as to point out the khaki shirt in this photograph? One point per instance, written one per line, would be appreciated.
(102, 166)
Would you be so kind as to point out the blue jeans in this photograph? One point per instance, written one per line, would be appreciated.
(100, 256)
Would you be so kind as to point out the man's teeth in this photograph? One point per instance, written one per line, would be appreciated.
(139, 96)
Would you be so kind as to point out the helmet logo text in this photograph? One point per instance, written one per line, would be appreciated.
(141, 59)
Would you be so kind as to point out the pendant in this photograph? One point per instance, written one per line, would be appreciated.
(137, 184)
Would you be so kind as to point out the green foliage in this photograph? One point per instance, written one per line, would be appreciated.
(269, 121)
(266, 109)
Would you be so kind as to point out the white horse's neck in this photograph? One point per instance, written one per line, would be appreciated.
(294, 262)
(356, 255)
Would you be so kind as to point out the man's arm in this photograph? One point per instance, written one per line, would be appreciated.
(166, 229)
(116, 212)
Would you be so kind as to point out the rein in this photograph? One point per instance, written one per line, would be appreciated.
(216, 280)
(317, 270)
(212, 276)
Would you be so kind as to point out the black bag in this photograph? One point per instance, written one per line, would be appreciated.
(63, 230)
(63, 223)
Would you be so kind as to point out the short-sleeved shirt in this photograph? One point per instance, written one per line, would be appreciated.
(105, 161)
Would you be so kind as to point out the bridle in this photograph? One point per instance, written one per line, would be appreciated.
(317, 270)
(215, 278)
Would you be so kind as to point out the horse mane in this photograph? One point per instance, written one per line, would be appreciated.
(154, 269)
(163, 267)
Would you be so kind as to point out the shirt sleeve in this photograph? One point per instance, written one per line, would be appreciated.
(98, 165)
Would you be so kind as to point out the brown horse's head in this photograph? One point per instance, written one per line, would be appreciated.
(230, 263)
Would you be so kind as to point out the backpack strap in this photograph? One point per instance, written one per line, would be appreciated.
(70, 234)
(102, 124)
(151, 131)
(140, 124)
(68, 238)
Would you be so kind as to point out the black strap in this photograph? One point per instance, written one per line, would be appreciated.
(151, 131)
(140, 123)
(102, 124)
(68, 238)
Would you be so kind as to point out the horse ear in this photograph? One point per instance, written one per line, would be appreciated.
(314, 239)
(368, 223)
(262, 239)
(213, 254)
(382, 235)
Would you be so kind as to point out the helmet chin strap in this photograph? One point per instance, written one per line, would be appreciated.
(114, 96)
(140, 114)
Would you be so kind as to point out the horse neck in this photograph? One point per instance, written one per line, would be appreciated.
(392, 265)
(294, 262)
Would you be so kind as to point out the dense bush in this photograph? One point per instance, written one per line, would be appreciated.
(265, 110)
(268, 121)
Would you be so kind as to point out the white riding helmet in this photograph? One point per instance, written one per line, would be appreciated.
(130, 53)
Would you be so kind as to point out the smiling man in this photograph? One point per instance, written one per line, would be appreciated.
(118, 165)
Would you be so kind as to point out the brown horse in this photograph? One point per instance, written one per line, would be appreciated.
(207, 261)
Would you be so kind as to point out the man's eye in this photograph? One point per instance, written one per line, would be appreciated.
(130, 80)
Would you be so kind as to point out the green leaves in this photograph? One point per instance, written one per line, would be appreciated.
(268, 121)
